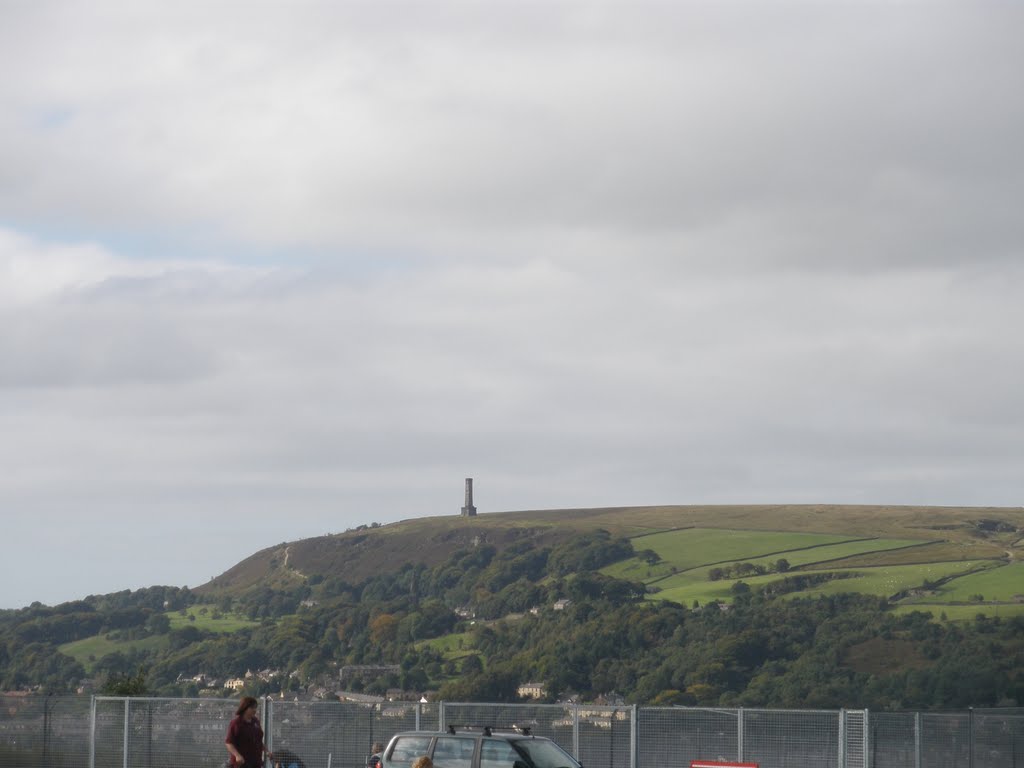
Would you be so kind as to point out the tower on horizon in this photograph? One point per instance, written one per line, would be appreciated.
(469, 510)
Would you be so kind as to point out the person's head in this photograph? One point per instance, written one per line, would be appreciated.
(423, 762)
(247, 703)
(376, 748)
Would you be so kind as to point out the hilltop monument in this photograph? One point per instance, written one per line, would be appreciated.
(469, 510)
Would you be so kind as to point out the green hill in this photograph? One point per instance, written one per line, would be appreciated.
(975, 533)
(754, 605)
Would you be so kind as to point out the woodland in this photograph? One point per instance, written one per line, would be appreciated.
(483, 621)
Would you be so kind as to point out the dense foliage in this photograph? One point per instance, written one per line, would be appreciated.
(762, 650)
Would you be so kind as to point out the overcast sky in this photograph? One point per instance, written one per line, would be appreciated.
(274, 270)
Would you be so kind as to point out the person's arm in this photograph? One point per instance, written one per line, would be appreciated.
(229, 742)
(239, 760)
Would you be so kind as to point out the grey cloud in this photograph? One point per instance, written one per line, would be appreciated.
(331, 260)
(833, 134)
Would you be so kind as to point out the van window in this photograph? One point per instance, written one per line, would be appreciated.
(497, 754)
(407, 749)
(454, 752)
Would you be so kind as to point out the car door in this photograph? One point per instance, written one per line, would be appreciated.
(496, 753)
(406, 749)
(454, 751)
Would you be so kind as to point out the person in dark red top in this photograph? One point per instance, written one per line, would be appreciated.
(245, 737)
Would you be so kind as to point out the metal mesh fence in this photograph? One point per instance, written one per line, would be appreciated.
(160, 733)
(105, 732)
(672, 737)
(945, 740)
(895, 739)
(44, 731)
(340, 734)
(997, 738)
(792, 738)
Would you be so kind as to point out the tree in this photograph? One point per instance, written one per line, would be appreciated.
(125, 685)
(471, 665)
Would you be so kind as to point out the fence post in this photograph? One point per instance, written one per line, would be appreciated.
(867, 739)
(419, 708)
(92, 731)
(970, 737)
(917, 740)
(842, 739)
(440, 717)
(268, 722)
(739, 735)
(127, 713)
(46, 726)
(576, 730)
(149, 734)
(634, 747)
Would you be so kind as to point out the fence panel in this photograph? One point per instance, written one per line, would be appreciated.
(791, 738)
(854, 745)
(998, 738)
(945, 740)
(339, 734)
(673, 736)
(44, 731)
(894, 740)
(161, 733)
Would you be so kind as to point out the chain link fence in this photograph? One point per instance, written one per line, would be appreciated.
(108, 732)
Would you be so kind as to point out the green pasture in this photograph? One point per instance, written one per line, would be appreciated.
(924, 552)
(453, 645)
(830, 552)
(1000, 583)
(694, 585)
(693, 547)
(89, 650)
(227, 622)
(891, 580)
(961, 612)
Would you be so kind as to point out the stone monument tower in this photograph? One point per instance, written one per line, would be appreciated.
(469, 510)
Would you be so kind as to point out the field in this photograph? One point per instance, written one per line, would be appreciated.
(913, 571)
(90, 650)
(450, 645)
(202, 618)
(1004, 584)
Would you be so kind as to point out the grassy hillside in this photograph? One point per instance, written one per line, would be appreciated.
(91, 649)
(759, 530)
(707, 564)
(475, 605)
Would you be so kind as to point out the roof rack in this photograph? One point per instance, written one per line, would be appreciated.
(487, 730)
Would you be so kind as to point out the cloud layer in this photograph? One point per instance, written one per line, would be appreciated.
(274, 275)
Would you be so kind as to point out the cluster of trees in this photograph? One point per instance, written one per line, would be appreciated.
(739, 570)
(762, 650)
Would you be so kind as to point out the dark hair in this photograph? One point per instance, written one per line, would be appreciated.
(244, 704)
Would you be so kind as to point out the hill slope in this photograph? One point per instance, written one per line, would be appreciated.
(754, 605)
(359, 554)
